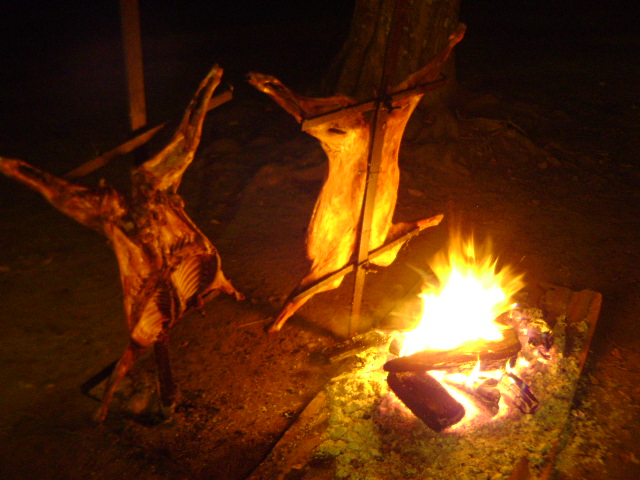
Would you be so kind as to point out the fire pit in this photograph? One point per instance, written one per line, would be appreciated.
(490, 407)
(469, 353)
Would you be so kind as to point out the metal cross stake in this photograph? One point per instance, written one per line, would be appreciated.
(380, 108)
(375, 156)
(359, 148)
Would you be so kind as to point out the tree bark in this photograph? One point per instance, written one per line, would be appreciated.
(357, 69)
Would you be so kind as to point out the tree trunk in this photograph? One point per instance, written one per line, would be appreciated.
(357, 70)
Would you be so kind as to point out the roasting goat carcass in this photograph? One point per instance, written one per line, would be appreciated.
(333, 230)
(167, 265)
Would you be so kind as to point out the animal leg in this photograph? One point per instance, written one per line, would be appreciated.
(397, 230)
(288, 309)
(80, 203)
(125, 363)
(299, 106)
(225, 285)
(165, 170)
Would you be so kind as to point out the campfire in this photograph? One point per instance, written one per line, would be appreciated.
(479, 386)
(465, 360)
(470, 295)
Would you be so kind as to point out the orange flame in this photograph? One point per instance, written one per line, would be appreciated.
(470, 295)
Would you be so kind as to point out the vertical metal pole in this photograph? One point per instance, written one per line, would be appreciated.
(165, 376)
(375, 157)
(378, 130)
(130, 19)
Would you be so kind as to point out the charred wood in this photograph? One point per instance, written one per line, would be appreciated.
(354, 346)
(518, 394)
(488, 352)
(488, 395)
(426, 398)
(483, 393)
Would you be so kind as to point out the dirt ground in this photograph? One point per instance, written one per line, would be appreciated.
(544, 160)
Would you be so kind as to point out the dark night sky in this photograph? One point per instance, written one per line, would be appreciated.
(57, 60)
(291, 40)
(34, 31)
(34, 25)
(76, 20)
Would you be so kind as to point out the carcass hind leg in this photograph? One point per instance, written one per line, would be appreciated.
(302, 293)
(125, 363)
(400, 228)
(288, 309)
(225, 285)
(396, 231)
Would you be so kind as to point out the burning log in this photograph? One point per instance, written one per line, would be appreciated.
(518, 394)
(354, 345)
(167, 265)
(426, 398)
(488, 395)
(345, 138)
(486, 351)
(484, 393)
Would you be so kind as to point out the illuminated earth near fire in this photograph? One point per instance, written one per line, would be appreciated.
(371, 434)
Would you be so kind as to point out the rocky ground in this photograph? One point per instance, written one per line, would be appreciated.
(544, 161)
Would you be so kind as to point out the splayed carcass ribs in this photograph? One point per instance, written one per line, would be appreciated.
(167, 265)
(333, 229)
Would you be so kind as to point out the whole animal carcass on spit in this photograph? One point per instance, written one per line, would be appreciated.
(333, 230)
(167, 265)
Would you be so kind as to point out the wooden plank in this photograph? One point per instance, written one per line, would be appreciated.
(582, 306)
(578, 306)
(105, 158)
(418, 89)
(355, 109)
(296, 446)
(218, 100)
(166, 384)
(375, 158)
(130, 145)
(132, 42)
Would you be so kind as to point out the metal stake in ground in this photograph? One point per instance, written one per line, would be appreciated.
(378, 127)
(342, 230)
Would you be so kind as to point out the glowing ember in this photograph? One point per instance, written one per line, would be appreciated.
(471, 294)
